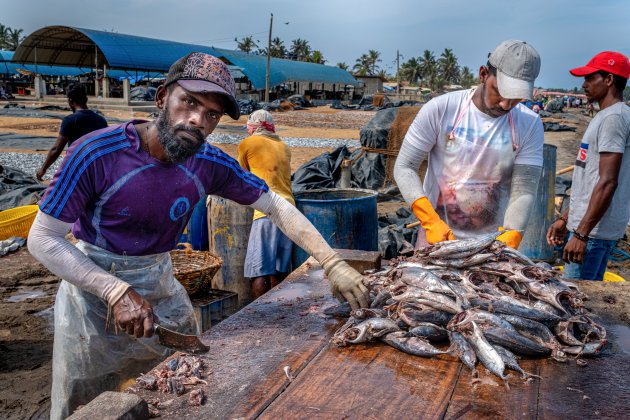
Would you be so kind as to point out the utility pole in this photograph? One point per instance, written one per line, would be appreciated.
(397, 72)
(268, 61)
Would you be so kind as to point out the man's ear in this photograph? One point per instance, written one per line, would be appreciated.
(160, 96)
(609, 80)
(483, 74)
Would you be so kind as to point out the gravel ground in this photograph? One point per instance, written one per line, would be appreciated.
(28, 162)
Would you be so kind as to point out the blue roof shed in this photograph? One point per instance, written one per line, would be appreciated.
(78, 47)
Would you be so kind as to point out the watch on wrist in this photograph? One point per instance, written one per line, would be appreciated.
(583, 238)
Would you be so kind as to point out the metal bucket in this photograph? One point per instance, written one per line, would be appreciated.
(229, 224)
(534, 243)
(345, 217)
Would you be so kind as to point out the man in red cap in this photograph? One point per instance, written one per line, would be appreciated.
(598, 211)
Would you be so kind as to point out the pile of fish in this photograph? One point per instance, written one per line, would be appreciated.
(488, 300)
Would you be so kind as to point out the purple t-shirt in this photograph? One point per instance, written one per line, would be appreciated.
(123, 200)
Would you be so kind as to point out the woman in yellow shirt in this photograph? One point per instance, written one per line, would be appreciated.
(268, 259)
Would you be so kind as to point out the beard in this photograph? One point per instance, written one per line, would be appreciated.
(177, 148)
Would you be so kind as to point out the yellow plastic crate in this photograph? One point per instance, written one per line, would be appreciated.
(609, 276)
(17, 221)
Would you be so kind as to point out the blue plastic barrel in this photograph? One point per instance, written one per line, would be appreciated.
(345, 217)
(534, 243)
(196, 232)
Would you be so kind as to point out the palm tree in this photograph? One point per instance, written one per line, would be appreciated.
(383, 74)
(317, 57)
(466, 78)
(277, 48)
(428, 67)
(448, 67)
(362, 66)
(3, 36)
(300, 50)
(342, 66)
(247, 44)
(411, 70)
(374, 58)
(14, 38)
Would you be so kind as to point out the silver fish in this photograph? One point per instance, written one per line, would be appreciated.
(463, 350)
(429, 331)
(487, 354)
(367, 330)
(464, 247)
(511, 363)
(411, 345)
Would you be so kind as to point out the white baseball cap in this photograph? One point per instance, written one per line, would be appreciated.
(518, 65)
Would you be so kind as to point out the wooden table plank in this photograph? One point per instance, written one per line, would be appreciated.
(601, 389)
(487, 397)
(249, 350)
(370, 381)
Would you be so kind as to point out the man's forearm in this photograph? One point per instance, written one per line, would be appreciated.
(47, 243)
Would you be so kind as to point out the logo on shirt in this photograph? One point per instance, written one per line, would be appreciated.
(179, 208)
(582, 154)
(124, 212)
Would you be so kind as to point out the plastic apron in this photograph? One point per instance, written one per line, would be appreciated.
(87, 359)
(473, 173)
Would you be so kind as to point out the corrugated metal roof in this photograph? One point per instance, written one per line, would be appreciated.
(7, 66)
(63, 45)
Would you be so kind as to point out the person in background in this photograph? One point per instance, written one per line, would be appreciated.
(598, 211)
(127, 193)
(264, 154)
(484, 150)
(81, 122)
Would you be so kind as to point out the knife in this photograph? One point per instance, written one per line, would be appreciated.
(179, 341)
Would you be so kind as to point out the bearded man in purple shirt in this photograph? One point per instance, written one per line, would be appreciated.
(127, 192)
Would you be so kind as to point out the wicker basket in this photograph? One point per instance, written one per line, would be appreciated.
(17, 221)
(194, 269)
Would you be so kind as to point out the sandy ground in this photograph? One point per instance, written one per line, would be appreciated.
(27, 289)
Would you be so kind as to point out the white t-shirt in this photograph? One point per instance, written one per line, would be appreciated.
(469, 177)
(609, 131)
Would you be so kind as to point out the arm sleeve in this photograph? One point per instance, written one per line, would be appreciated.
(525, 179)
(66, 126)
(406, 170)
(530, 151)
(295, 225)
(48, 244)
(242, 155)
(613, 134)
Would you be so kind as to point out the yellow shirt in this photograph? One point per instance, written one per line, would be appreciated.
(268, 158)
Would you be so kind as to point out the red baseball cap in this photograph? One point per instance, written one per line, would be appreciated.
(609, 61)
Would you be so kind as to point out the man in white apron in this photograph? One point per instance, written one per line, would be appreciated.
(127, 192)
(484, 150)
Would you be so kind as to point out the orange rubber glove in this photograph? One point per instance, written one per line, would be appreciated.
(436, 229)
(511, 238)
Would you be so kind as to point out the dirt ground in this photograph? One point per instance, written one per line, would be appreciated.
(27, 289)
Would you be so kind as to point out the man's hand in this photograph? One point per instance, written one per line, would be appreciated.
(40, 174)
(557, 232)
(574, 251)
(435, 228)
(134, 314)
(346, 283)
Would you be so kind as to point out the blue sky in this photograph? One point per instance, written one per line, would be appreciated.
(566, 33)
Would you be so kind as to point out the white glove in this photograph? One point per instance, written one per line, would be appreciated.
(346, 283)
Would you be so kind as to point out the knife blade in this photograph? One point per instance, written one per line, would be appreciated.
(179, 341)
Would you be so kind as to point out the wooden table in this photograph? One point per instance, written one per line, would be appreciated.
(286, 328)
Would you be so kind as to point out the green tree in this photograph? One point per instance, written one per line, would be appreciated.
(3, 36)
(375, 57)
(466, 78)
(362, 65)
(448, 67)
(428, 67)
(277, 48)
(317, 57)
(383, 74)
(343, 66)
(300, 50)
(411, 70)
(246, 44)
